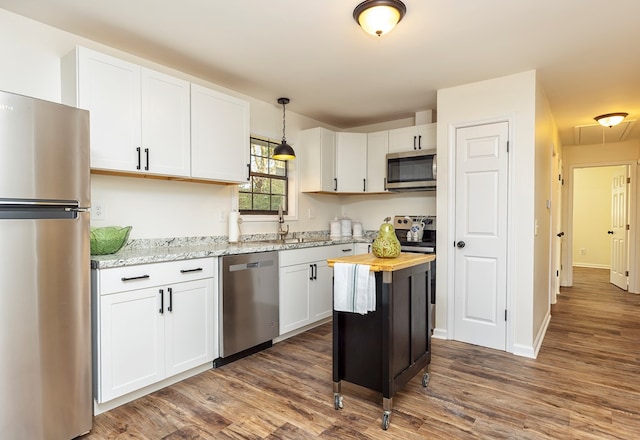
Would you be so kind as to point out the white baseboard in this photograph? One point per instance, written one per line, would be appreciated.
(439, 333)
(592, 266)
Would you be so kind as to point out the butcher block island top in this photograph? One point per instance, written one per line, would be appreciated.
(402, 261)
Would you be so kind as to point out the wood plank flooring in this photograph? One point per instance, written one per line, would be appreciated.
(585, 384)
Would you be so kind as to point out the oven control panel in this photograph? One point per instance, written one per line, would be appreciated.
(405, 222)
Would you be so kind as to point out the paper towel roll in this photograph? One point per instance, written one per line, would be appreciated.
(234, 229)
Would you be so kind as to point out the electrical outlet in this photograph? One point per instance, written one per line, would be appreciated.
(310, 214)
(221, 216)
(583, 251)
(98, 211)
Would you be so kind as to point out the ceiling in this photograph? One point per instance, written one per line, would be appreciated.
(314, 52)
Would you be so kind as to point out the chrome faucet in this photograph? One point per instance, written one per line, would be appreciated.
(282, 233)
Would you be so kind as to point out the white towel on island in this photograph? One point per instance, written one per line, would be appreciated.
(354, 288)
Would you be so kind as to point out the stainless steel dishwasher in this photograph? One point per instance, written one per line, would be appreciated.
(249, 304)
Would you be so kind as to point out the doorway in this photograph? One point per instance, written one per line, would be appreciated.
(600, 217)
(480, 262)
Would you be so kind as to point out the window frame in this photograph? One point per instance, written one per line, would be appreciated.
(286, 178)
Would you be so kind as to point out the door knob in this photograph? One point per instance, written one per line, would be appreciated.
(460, 244)
(561, 234)
(610, 232)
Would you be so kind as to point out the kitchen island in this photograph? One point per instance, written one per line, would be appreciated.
(384, 349)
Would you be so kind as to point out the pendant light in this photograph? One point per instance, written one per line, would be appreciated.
(283, 151)
(611, 119)
(378, 17)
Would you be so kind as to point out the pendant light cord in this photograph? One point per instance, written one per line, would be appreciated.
(283, 124)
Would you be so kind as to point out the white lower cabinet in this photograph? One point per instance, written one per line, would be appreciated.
(361, 248)
(153, 321)
(306, 285)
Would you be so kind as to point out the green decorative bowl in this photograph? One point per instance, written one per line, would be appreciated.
(108, 240)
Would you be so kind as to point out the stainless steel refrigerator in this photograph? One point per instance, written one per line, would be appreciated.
(45, 297)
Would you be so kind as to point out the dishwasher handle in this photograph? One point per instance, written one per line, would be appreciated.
(252, 265)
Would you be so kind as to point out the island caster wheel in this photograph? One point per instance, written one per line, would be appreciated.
(337, 401)
(425, 379)
(386, 419)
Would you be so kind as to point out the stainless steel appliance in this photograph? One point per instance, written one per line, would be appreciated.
(404, 224)
(45, 318)
(411, 170)
(249, 304)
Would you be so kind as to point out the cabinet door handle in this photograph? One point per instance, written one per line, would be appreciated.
(139, 158)
(146, 152)
(335, 184)
(414, 142)
(199, 269)
(311, 268)
(248, 171)
(364, 185)
(161, 301)
(420, 142)
(385, 183)
(170, 290)
(347, 250)
(141, 277)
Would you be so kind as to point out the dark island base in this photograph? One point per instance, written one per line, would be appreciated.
(383, 350)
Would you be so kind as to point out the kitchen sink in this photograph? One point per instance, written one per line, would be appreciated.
(292, 240)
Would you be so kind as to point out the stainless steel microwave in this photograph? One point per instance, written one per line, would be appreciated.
(411, 170)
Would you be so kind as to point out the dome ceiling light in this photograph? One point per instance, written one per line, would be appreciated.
(283, 151)
(378, 17)
(611, 119)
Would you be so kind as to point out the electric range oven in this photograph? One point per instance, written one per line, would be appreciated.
(417, 234)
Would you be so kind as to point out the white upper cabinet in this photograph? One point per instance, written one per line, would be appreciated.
(418, 137)
(377, 149)
(139, 117)
(317, 157)
(220, 134)
(351, 162)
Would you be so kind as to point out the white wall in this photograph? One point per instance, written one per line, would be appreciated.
(161, 208)
(546, 139)
(510, 98)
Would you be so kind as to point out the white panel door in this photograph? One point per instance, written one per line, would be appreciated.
(131, 342)
(166, 128)
(618, 231)
(189, 325)
(377, 149)
(295, 301)
(110, 89)
(321, 297)
(351, 162)
(220, 132)
(481, 235)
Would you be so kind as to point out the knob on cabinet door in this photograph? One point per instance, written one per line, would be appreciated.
(610, 232)
(561, 234)
(460, 244)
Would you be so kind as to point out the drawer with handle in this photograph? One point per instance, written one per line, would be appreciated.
(121, 279)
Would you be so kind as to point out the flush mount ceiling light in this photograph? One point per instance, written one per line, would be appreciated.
(378, 17)
(283, 151)
(611, 119)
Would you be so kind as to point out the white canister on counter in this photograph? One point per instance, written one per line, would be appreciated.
(335, 229)
(234, 226)
(357, 229)
(345, 227)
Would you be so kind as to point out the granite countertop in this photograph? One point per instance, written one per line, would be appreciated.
(402, 261)
(175, 249)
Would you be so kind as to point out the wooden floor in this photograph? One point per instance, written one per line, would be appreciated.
(585, 384)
